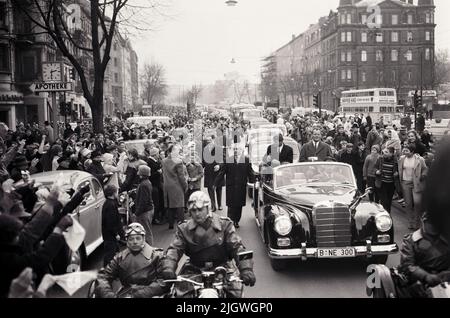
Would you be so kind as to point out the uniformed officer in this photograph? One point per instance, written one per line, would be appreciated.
(426, 252)
(209, 241)
(425, 260)
(138, 268)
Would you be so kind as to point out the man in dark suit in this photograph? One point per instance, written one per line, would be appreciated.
(316, 148)
(237, 171)
(279, 151)
(154, 163)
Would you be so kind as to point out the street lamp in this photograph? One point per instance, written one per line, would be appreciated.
(231, 3)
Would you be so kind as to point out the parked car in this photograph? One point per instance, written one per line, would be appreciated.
(147, 120)
(314, 210)
(88, 214)
(256, 123)
(248, 114)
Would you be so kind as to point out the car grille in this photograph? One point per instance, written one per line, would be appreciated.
(333, 225)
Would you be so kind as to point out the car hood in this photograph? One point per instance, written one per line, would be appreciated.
(311, 195)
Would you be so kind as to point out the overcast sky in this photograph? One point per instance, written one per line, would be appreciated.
(199, 39)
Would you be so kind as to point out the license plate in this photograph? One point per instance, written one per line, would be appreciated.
(336, 252)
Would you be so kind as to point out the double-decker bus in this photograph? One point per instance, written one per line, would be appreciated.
(376, 102)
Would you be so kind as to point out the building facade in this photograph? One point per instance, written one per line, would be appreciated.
(368, 44)
(122, 87)
(24, 47)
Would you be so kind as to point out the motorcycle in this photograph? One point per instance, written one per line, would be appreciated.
(206, 283)
(392, 284)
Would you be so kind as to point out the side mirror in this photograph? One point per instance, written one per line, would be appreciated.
(245, 255)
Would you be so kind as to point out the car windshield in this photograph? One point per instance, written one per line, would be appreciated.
(313, 174)
(251, 113)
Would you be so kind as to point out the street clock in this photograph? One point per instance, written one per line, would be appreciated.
(52, 72)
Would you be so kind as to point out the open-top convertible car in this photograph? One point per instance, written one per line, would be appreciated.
(314, 210)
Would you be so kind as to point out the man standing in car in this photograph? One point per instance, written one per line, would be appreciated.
(316, 148)
(279, 151)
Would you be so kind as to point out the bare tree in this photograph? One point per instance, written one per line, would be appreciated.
(194, 93)
(441, 68)
(284, 87)
(105, 16)
(153, 83)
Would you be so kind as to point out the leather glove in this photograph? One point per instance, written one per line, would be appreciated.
(85, 189)
(432, 280)
(168, 274)
(65, 223)
(248, 277)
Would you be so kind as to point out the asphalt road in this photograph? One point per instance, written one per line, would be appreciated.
(313, 279)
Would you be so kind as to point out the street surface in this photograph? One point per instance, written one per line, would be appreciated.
(344, 278)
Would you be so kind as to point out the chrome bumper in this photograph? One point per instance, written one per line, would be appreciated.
(304, 253)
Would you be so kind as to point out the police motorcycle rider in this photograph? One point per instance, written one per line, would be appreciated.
(209, 241)
(425, 254)
(138, 268)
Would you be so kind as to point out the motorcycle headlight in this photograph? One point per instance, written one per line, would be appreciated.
(283, 225)
(383, 222)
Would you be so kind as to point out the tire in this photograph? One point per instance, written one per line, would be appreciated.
(278, 265)
(378, 293)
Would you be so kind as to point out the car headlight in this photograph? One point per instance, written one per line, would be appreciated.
(383, 222)
(283, 225)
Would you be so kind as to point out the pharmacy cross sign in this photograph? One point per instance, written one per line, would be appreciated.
(51, 87)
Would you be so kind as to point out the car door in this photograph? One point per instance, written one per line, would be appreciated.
(96, 217)
(85, 211)
(89, 215)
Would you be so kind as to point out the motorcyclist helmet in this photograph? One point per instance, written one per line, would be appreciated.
(134, 229)
(198, 200)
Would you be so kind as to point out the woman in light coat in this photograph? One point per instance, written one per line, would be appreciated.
(108, 165)
(412, 171)
(175, 184)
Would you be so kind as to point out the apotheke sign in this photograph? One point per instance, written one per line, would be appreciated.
(51, 87)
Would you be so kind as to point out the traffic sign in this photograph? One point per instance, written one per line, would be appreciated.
(51, 87)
